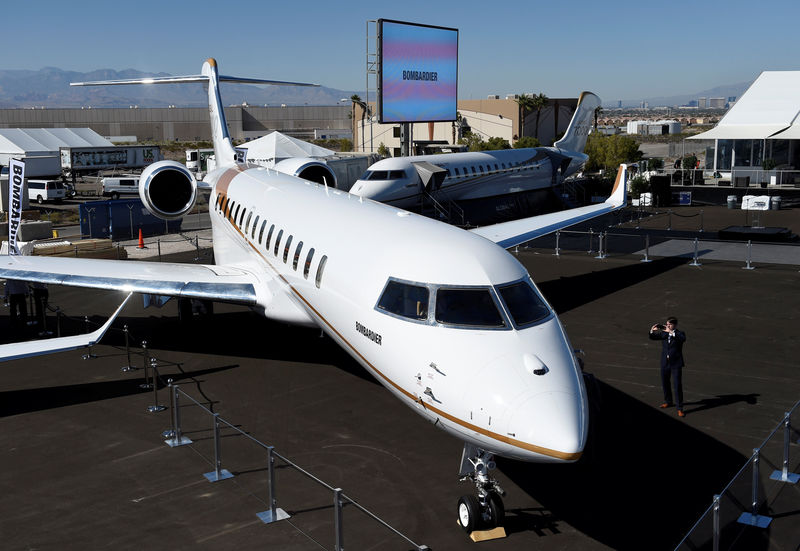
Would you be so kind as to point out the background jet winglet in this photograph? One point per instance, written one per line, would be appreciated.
(516, 232)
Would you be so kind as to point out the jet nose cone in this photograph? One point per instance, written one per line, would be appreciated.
(553, 423)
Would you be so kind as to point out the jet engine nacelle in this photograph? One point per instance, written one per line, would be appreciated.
(306, 168)
(167, 189)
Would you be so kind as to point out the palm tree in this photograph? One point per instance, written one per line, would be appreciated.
(525, 103)
(539, 102)
(356, 99)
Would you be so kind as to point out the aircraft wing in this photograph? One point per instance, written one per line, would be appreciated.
(516, 232)
(198, 281)
(16, 350)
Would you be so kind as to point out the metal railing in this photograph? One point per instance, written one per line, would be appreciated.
(741, 177)
(733, 510)
(176, 437)
(599, 245)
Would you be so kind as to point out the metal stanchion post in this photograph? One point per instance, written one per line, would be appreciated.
(601, 241)
(275, 513)
(159, 248)
(591, 233)
(155, 407)
(754, 519)
(558, 237)
(701, 220)
(145, 361)
(749, 255)
(646, 249)
(694, 261)
(716, 523)
(516, 249)
(784, 475)
(128, 366)
(197, 246)
(89, 355)
(218, 473)
(178, 439)
(337, 517)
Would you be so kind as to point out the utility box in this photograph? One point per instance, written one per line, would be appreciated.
(122, 220)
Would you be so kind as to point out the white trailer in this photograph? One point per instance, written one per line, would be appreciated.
(92, 159)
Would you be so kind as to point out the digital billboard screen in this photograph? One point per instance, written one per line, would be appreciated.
(418, 72)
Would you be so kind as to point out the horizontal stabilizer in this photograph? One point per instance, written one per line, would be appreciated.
(17, 350)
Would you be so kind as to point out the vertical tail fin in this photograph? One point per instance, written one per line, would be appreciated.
(583, 118)
(223, 146)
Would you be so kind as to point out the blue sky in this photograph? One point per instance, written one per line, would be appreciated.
(617, 49)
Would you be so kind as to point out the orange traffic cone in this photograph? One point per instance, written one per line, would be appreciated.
(141, 240)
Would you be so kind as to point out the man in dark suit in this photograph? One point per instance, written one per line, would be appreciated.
(671, 360)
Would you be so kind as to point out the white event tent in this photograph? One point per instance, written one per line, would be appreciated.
(759, 137)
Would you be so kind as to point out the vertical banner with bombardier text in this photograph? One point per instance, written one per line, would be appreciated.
(16, 176)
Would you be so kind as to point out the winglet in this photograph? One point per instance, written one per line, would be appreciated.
(17, 350)
(618, 197)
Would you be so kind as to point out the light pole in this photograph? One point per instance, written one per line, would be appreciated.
(366, 110)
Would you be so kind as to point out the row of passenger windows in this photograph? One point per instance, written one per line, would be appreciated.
(249, 226)
(473, 307)
(487, 169)
(456, 171)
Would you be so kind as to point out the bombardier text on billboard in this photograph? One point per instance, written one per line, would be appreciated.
(16, 177)
(418, 72)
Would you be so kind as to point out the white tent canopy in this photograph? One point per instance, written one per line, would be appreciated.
(48, 140)
(274, 147)
(771, 105)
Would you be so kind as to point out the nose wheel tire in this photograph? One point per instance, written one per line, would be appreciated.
(469, 513)
(497, 511)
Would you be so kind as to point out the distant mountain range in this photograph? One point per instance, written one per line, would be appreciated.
(724, 91)
(49, 87)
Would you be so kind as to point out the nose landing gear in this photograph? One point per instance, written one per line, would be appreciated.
(484, 511)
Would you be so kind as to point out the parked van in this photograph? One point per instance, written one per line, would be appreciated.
(46, 190)
(117, 186)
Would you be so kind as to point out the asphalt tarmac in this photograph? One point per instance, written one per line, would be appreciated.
(84, 464)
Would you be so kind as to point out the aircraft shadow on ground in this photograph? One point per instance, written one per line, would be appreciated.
(570, 292)
(16, 402)
(235, 334)
(644, 480)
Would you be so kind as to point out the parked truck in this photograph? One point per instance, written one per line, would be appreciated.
(197, 159)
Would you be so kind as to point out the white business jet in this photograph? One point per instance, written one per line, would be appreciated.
(405, 181)
(444, 318)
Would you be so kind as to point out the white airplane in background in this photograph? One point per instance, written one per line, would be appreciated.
(447, 320)
(404, 181)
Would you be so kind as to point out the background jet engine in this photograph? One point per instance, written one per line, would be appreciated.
(168, 190)
(308, 169)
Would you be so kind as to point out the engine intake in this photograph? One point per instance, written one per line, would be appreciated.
(308, 169)
(167, 189)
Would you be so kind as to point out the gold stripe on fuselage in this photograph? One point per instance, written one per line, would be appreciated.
(469, 426)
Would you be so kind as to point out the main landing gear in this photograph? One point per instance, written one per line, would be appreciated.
(484, 511)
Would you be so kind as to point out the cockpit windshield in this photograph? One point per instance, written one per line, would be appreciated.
(384, 175)
(471, 307)
(405, 300)
(523, 302)
(513, 305)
